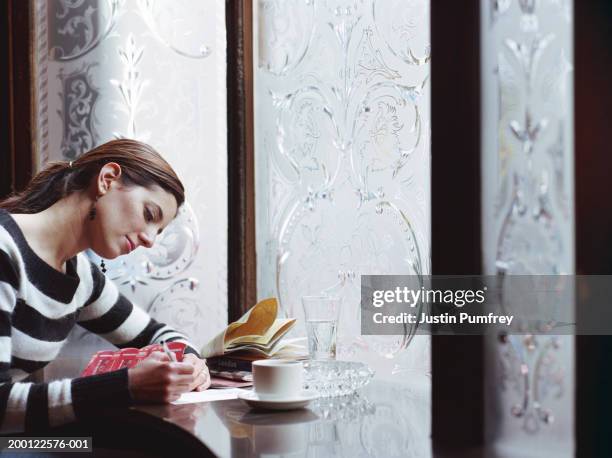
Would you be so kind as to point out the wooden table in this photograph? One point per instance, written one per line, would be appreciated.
(389, 417)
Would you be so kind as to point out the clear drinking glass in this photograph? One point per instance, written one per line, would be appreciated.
(321, 314)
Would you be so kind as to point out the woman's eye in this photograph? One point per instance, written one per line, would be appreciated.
(148, 215)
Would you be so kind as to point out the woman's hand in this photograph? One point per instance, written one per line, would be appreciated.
(200, 372)
(157, 379)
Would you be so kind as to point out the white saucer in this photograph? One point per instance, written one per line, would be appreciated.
(298, 402)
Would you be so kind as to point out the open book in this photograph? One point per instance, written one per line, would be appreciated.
(257, 332)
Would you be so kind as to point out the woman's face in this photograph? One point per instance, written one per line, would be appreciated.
(128, 217)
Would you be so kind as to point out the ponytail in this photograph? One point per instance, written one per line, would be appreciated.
(46, 188)
(140, 165)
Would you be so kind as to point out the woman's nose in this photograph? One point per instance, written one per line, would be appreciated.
(146, 240)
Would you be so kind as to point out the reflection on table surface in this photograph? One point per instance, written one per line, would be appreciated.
(390, 417)
(386, 418)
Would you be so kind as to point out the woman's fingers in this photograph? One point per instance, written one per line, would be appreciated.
(179, 377)
(202, 376)
(202, 381)
(197, 363)
(186, 380)
(184, 368)
(205, 385)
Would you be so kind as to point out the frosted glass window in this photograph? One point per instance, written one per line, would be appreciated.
(342, 124)
(528, 211)
(153, 71)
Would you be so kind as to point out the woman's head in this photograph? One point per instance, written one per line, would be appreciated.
(140, 165)
(132, 187)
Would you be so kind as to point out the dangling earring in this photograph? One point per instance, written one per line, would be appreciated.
(102, 266)
(92, 210)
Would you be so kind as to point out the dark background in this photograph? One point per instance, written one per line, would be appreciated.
(15, 96)
(593, 164)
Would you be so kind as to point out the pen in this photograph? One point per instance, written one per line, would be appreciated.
(170, 354)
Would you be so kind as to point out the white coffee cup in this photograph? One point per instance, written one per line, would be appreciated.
(278, 378)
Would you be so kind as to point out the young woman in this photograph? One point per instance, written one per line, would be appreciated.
(113, 199)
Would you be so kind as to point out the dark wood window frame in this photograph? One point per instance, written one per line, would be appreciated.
(456, 239)
(242, 261)
(593, 189)
(16, 95)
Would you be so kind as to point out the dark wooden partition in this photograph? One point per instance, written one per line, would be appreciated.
(6, 163)
(16, 95)
(457, 361)
(593, 167)
(242, 282)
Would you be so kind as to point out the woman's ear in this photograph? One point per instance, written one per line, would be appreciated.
(109, 174)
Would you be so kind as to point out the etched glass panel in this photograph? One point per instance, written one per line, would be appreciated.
(528, 210)
(153, 70)
(343, 156)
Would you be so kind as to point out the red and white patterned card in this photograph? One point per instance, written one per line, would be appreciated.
(109, 360)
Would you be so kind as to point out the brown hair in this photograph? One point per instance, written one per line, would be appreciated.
(140, 165)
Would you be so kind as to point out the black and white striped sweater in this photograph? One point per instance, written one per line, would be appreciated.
(38, 307)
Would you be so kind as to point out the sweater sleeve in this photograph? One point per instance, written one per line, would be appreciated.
(30, 407)
(111, 315)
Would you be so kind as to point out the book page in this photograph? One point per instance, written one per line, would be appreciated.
(279, 328)
(255, 322)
